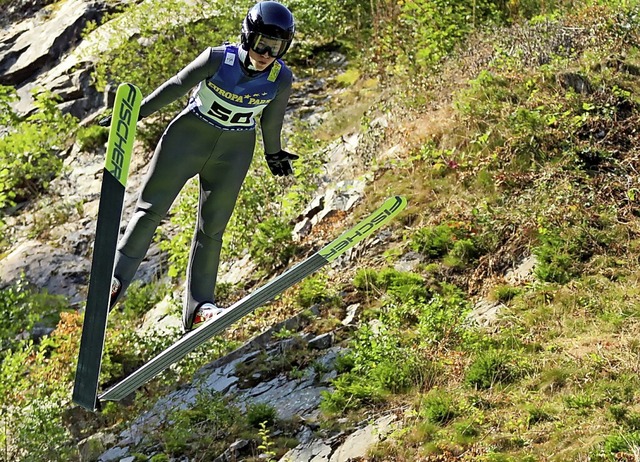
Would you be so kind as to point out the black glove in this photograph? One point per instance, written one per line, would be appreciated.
(280, 163)
(105, 121)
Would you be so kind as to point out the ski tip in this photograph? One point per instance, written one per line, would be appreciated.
(129, 88)
(400, 201)
(389, 209)
(392, 207)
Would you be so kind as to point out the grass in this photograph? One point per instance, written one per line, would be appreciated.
(512, 161)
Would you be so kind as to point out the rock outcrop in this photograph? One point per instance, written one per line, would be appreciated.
(48, 50)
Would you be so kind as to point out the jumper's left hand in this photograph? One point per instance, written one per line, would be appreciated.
(280, 163)
(105, 121)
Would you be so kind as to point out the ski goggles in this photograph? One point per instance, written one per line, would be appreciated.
(275, 46)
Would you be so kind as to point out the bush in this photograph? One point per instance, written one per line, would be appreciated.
(615, 445)
(22, 307)
(261, 413)
(441, 320)
(426, 31)
(204, 430)
(504, 293)
(490, 368)
(351, 391)
(558, 257)
(30, 148)
(435, 241)
(453, 241)
(92, 138)
(36, 432)
(398, 284)
(313, 290)
(272, 246)
(438, 407)
(140, 298)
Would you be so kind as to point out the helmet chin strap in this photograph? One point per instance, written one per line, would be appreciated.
(246, 62)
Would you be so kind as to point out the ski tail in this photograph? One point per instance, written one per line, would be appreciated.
(115, 173)
(391, 208)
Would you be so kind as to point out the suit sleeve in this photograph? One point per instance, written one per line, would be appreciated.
(179, 85)
(272, 117)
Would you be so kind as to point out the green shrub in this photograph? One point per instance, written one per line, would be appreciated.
(393, 376)
(92, 137)
(171, 45)
(624, 416)
(344, 23)
(438, 407)
(30, 148)
(615, 445)
(272, 246)
(431, 29)
(467, 428)
(537, 414)
(581, 402)
(490, 368)
(314, 290)
(558, 257)
(398, 284)
(366, 279)
(505, 293)
(351, 391)
(462, 252)
(140, 298)
(484, 99)
(344, 363)
(261, 413)
(435, 241)
(442, 320)
(36, 432)
(23, 306)
(453, 241)
(205, 429)
(160, 458)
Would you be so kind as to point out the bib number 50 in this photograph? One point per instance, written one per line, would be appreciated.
(226, 115)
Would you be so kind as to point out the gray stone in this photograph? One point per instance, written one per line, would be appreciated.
(91, 447)
(314, 451)
(352, 311)
(114, 454)
(322, 342)
(41, 44)
(233, 452)
(522, 273)
(162, 320)
(291, 398)
(409, 262)
(55, 269)
(358, 443)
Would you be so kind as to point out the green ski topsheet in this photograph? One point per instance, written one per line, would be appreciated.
(115, 172)
(391, 208)
(122, 131)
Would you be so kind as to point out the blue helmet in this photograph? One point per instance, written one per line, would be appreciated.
(268, 27)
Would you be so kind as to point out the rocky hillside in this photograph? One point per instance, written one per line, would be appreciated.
(495, 320)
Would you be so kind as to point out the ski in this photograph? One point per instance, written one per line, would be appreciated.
(114, 178)
(191, 340)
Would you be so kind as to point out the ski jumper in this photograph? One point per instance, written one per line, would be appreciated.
(214, 138)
